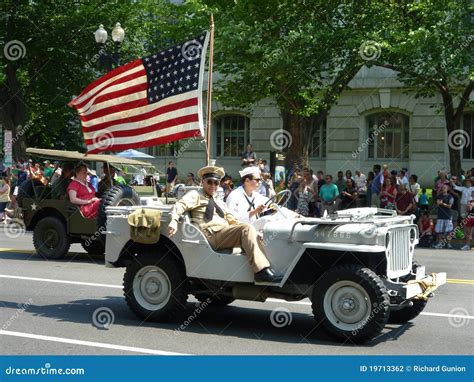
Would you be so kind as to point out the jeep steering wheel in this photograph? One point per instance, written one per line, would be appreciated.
(276, 199)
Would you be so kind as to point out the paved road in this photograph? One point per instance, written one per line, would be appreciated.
(47, 307)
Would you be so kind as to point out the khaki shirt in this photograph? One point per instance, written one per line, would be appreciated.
(196, 202)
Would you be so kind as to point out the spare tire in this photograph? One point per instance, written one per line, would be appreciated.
(116, 196)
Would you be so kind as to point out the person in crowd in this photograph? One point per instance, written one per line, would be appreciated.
(348, 175)
(219, 225)
(349, 195)
(426, 229)
(456, 197)
(468, 223)
(313, 185)
(340, 182)
(444, 222)
(360, 181)
(440, 182)
(108, 180)
(249, 158)
(171, 176)
(404, 201)
(82, 194)
(267, 178)
(402, 178)
(227, 185)
(4, 197)
(328, 194)
(376, 186)
(368, 196)
(413, 187)
(423, 201)
(466, 192)
(93, 179)
(245, 202)
(266, 167)
(304, 194)
(293, 184)
(139, 177)
(190, 181)
(120, 178)
(388, 194)
(48, 169)
(59, 187)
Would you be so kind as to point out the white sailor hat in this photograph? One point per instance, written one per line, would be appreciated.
(251, 170)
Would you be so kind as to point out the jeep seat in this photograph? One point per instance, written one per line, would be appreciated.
(189, 227)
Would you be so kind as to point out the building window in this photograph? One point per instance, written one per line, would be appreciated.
(232, 135)
(388, 136)
(468, 136)
(317, 145)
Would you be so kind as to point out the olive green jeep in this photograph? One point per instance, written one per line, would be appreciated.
(56, 222)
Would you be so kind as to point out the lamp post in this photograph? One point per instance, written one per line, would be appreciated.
(109, 61)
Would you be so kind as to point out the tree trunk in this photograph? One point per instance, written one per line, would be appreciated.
(290, 141)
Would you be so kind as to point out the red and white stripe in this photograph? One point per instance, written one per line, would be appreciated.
(116, 115)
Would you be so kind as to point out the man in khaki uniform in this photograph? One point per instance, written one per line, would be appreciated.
(220, 227)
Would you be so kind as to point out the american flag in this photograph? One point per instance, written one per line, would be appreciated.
(147, 102)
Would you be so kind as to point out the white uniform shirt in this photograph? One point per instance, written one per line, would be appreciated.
(240, 207)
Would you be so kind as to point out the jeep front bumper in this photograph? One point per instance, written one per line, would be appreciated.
(420, 287)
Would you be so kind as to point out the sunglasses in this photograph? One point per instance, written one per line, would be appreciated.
(257, 179)
(211, 182)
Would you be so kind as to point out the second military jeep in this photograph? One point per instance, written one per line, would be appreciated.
(57, 223)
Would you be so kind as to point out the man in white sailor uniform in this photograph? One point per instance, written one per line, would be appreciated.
(218, 224)
(245, 202)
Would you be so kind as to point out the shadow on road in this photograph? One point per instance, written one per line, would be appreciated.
(72, 257)
(229, 321)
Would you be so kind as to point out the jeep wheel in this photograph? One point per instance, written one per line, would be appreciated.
(116, 196)
(155, 287)
(94, 246)
(50, 238)
(216, 300)
(351, 303)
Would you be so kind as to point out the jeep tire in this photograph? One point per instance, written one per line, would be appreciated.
(155, 287)
(351, 303)
(50, 238)
(116, 196)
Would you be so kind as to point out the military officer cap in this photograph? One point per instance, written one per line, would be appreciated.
(211, 172)
(251, 170)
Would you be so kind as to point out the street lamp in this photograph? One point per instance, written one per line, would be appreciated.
(108, 61)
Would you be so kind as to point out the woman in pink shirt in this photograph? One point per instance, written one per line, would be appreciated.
(82, 194)
(388, 194)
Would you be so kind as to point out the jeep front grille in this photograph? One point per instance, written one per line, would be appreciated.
(400, 244)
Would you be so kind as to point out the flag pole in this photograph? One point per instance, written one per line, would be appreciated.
(209, 91)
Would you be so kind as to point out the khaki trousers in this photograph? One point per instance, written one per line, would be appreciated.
(244, 236)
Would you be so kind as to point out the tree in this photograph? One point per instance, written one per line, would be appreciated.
(430, 44)
(50, 56)
(301, 54)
